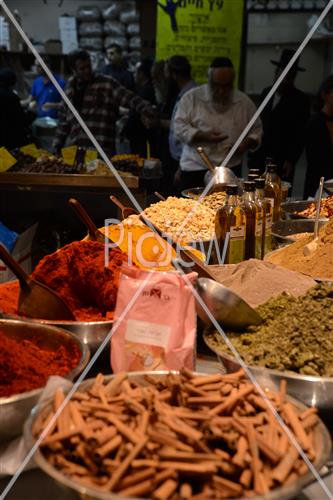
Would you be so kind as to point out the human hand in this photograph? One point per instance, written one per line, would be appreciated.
(149, 118)
(213, 137)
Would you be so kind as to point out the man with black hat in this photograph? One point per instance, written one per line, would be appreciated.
(284, 121)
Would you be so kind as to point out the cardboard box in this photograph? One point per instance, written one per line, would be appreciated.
(67, 23)
(53, 47)
(21, 253)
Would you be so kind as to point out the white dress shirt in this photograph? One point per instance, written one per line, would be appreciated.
(196, 111)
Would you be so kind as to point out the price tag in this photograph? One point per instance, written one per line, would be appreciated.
(6, 160)
(91, 154)
(31, 150)
(69, 154)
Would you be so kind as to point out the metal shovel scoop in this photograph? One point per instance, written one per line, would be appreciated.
(125, 211)
(221, 175)
(227, 307)
(36, 300)
(312, 246)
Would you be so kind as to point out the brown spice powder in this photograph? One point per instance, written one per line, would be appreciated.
(318, 263)
(256, 281)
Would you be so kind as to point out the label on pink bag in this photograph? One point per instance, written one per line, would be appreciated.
(158, 331)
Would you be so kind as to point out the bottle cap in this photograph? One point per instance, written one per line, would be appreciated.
(252, 177)
(271, 168)
(232, 189)
(260, 183)
(249, 186)
(254, 171)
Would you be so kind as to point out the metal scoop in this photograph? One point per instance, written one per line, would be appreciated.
(36, 300)
(227, 307)
(125, 211)
(221, 175)
(312, 246)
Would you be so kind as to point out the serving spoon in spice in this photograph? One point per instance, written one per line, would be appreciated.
(36, 300)
(125, 211)
(312, 246)
(94, 233)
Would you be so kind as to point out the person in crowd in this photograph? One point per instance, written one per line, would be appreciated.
(134, 129)
(178, 69)
(117, 67)
(284, 121)
(13, 120)
(319, 139)
(45, 99)
(97, 98)
(159, 81)
(213, 116)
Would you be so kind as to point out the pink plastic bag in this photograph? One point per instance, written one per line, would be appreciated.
(158, 331)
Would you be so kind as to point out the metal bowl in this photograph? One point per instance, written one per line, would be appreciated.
(312, 391)
(322, 443)
(192, 193)
(292, 209)
(90, 333)
(15, 409)
(328, 185)
(284, 230)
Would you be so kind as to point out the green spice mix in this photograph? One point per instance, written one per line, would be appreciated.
(296, 334)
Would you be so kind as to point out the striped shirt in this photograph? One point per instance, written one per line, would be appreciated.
(99, 110)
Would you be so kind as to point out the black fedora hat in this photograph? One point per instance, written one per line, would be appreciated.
(285, 57)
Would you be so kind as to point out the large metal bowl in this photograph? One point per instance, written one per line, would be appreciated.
(322, 442)
(90, 333)
(292, 209)
(284, 230)
(312, 391)
(15, 409)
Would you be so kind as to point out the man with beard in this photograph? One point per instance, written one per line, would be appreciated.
(213, 116)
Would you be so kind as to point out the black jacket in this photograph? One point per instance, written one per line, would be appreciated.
(319, 153)
(284, 128)
(13, 120)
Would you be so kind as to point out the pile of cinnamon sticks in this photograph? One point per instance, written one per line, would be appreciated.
(177, 436)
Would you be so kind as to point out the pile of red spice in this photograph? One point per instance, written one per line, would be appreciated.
(24, 366)
(78, 273)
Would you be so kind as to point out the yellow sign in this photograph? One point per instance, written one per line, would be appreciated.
(69, 154)
(200, 30)
(6, 160)
(31, 150)
(91, 154)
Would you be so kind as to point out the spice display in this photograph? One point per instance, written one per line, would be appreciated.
(214, 200)
(78, 273)
(230, 222)
(256, 281)
(318, 263)
(170, 215)
(25, 366)
(180, 436)
(326, 208)
(45, 164)
(296, 334)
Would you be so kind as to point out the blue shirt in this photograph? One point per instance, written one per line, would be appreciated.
(46, 92)
(175, 145)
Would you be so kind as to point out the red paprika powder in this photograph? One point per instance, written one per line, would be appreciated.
(78, 273)
(24, 366)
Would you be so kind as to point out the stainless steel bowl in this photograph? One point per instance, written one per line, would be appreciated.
(328, 185)
(292, 209)
(312, 391)
(283, 230)
(192, 193)
(15, 409)
(322, 443)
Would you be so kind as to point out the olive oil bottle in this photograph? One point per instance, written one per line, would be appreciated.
(250, 208)
(230, 228)
(273, 191)
(264, 208)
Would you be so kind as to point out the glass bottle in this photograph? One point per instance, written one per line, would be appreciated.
(249, 206)
(254, 171)
(267, 211)
(273, 191)
(230, 228)
(252, 177)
